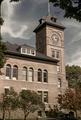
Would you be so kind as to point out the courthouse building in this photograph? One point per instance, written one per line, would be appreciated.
(41, 69)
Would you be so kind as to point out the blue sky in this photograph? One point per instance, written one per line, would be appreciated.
(22, 18)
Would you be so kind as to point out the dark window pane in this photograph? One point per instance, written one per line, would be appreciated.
(40, 94)
(46, 96)
(24, 73)
(8, 71)
(57, 54)
(15, 72)
(45, 75)
(31, 74)
(6, 90)
(40, 113)
(59, 83)
(53, 53)
(39, 75)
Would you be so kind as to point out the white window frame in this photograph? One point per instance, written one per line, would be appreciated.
(22, 50)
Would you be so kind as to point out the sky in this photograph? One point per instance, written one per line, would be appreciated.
(20, 19)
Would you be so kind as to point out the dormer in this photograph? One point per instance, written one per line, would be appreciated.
(27, 50)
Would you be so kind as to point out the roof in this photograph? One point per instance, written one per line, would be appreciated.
(15, 47)
(51, 21)
(12, 49)
(26, 46)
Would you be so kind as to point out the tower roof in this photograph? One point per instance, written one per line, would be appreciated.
(49, 20)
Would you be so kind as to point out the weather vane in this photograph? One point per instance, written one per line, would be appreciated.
(49, 12)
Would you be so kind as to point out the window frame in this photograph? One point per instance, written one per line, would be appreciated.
(45, 96)
(15, 72)
(59, 83)
(39, 75)
(8, 71)
(45, 76)
(30, 74)
(24, 74)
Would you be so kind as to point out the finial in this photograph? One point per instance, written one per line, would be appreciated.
(49, 8)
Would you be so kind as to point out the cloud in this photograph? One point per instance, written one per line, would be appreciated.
(22, 18)
(76, 59)
(19, 33)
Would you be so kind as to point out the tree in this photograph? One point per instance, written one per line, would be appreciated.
(73, 75)
(30, 101)
(9, 102)
(2, 44)
(72, 8)
(70, 100)
(53, 112)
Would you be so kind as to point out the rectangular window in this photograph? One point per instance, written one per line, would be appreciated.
(45, 96)
(32, 52)
(24, 50)
(40, 94)
(28, 51)
(53, 53)
(59, 83)
(6, 90)
(57, 54)
(40, 113)
(58, 68)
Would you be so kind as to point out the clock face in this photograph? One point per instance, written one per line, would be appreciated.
(55, 38)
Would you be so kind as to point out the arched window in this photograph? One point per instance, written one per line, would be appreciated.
(45, 76)
(8, 71)
(24, 72)
(15, 72)
(39, 75)
(31, 75)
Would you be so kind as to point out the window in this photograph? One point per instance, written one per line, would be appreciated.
(8, 71)
(53, 53)
(57, 54)
(43, 95)
(45, 76)
(59, 83)
(15, 72)
(24, 50)
(39, 75)
(58, 68)
(40, 94)
(6, 90)
(28, 51)
(32, 52)
(40, 113)
(31, 74)
(46, 96)
(24, 73)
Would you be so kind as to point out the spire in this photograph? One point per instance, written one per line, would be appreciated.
(49, 11)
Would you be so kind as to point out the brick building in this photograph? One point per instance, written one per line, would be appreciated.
(41, 69)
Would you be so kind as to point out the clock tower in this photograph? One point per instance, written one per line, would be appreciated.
(50, 42)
